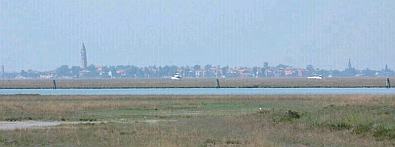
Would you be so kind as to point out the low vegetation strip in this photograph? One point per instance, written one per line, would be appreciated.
(276, 120)
(197, 83)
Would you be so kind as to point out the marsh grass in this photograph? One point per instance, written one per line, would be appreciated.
(298, 120)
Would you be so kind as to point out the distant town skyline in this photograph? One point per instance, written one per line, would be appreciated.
(45, 34)
(84, 64)
(190, 71)
(196, 71)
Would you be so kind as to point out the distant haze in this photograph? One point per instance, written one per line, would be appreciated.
(44, 34)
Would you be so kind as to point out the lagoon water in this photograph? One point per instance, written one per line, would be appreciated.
(201, 91)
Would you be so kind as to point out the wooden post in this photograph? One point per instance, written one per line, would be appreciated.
(218, 84)
(54, 84)
(388, 83)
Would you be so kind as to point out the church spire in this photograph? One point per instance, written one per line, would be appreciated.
(349, 64)
(84, 60)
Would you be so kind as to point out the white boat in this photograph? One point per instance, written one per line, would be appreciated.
(316, 77)
(176, 76)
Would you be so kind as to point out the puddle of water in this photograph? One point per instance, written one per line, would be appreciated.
(27, 125)
(39, 124)
(155, 121)
(9, 126)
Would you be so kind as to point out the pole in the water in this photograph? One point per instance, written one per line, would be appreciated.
(388, 83)
(54, 84)
(218, 84)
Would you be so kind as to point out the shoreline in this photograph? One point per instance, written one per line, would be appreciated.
(360, 82)
(77, 88)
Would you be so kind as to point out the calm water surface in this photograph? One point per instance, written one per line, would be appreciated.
(200, 91)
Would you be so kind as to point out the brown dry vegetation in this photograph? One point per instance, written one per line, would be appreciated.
(299, 120)
(197, 83)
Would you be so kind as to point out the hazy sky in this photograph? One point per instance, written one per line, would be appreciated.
(44, 34)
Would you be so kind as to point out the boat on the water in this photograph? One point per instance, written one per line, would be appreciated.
(176, 76)
(315, 77)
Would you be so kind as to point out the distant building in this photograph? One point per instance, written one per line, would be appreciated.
(266, 65)
(350, 71)
(349, 64)
(84, 59)
(2, 72)
(386, 68)
(387, 71)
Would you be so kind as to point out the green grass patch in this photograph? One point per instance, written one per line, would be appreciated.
(203, 120)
